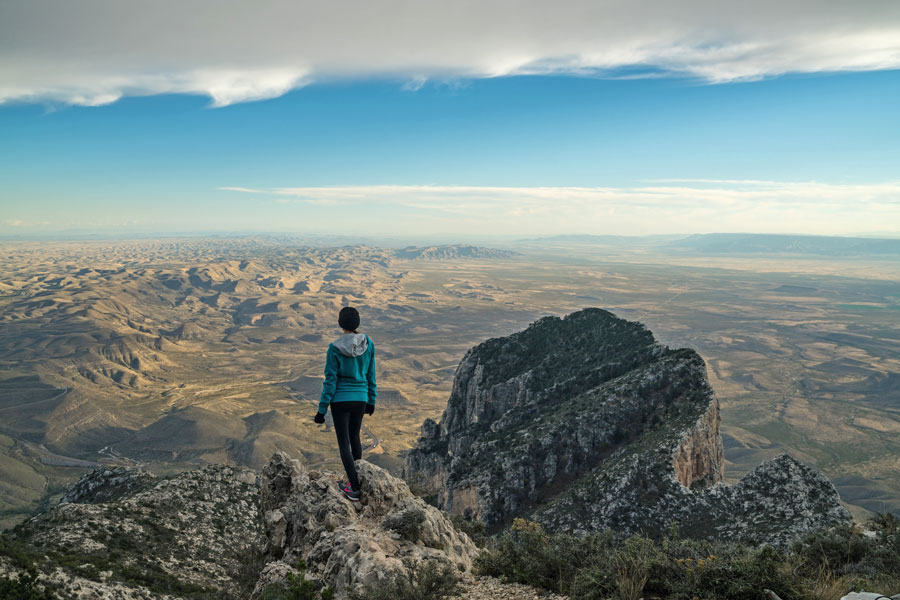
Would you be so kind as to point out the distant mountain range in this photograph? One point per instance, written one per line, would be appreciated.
(451, 251)
(753, 243)
(737, 243)
(587, 238)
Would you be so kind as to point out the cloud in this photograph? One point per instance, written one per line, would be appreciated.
(21, 224)
(697, 206)
(93, 52)
(223, 86)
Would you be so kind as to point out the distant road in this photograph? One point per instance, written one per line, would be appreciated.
(64, 391)
(39, 451)
(57, 460)
(46, 457)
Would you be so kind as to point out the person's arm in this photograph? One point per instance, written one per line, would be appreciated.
(370, 377)
(330, 383)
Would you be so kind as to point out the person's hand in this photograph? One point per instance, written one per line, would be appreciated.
(319, 418)
(370, 408)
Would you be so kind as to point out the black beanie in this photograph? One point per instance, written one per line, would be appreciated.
(349, 318)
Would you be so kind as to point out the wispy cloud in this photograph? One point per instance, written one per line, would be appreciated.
(22, 224)
(702, 206)
(96, 51)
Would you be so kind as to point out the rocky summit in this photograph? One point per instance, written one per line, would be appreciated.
(227, 533)
(586, 423)
(346, 544)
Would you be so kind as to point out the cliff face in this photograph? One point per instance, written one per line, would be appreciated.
(586, 423)
(699, 458)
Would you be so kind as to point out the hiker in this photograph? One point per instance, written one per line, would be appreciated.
(349, 389)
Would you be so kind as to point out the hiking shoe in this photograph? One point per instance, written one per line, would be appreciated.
(352, 496)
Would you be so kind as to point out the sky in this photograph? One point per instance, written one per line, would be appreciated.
(438, 118)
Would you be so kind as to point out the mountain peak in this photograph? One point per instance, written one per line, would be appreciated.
(585, 423)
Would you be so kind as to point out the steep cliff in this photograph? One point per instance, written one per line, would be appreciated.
(586, 423)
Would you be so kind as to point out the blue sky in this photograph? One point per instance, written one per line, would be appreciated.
(724, 145)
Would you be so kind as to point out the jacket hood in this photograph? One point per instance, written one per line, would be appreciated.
(352, 344)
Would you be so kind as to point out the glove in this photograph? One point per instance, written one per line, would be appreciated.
(319, 418)
(370, 408)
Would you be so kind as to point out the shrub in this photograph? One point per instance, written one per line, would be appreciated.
(407, 523)
(823, 566)
(735, 572)
(25, 587)
(423, 582)
(888, 523)
(20, 556)
(473, 528)
(527, 554)
(327, 594)
(872, 555)
(633, 568)
(297, 587)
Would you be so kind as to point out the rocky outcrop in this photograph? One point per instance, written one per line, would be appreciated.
(221, 532)
(775, 503)
(586, 423)
(345, 544)
(107, 485)
(122, 533)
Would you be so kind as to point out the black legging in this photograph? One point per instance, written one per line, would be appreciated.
(347, 417)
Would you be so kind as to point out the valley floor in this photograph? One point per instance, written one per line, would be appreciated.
(174, 353)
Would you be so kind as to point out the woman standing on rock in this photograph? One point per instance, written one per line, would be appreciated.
(350, 390)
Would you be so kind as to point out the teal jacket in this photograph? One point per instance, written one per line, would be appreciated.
(349, 371)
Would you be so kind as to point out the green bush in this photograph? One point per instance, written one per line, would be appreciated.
(407, 523)
(156, 579)
(633, 567)
(423, 582)
(20, 556)
(529, 555)
(473, 528)
(297, 587)
(24, 588)
(602, 565)
(872, 554)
